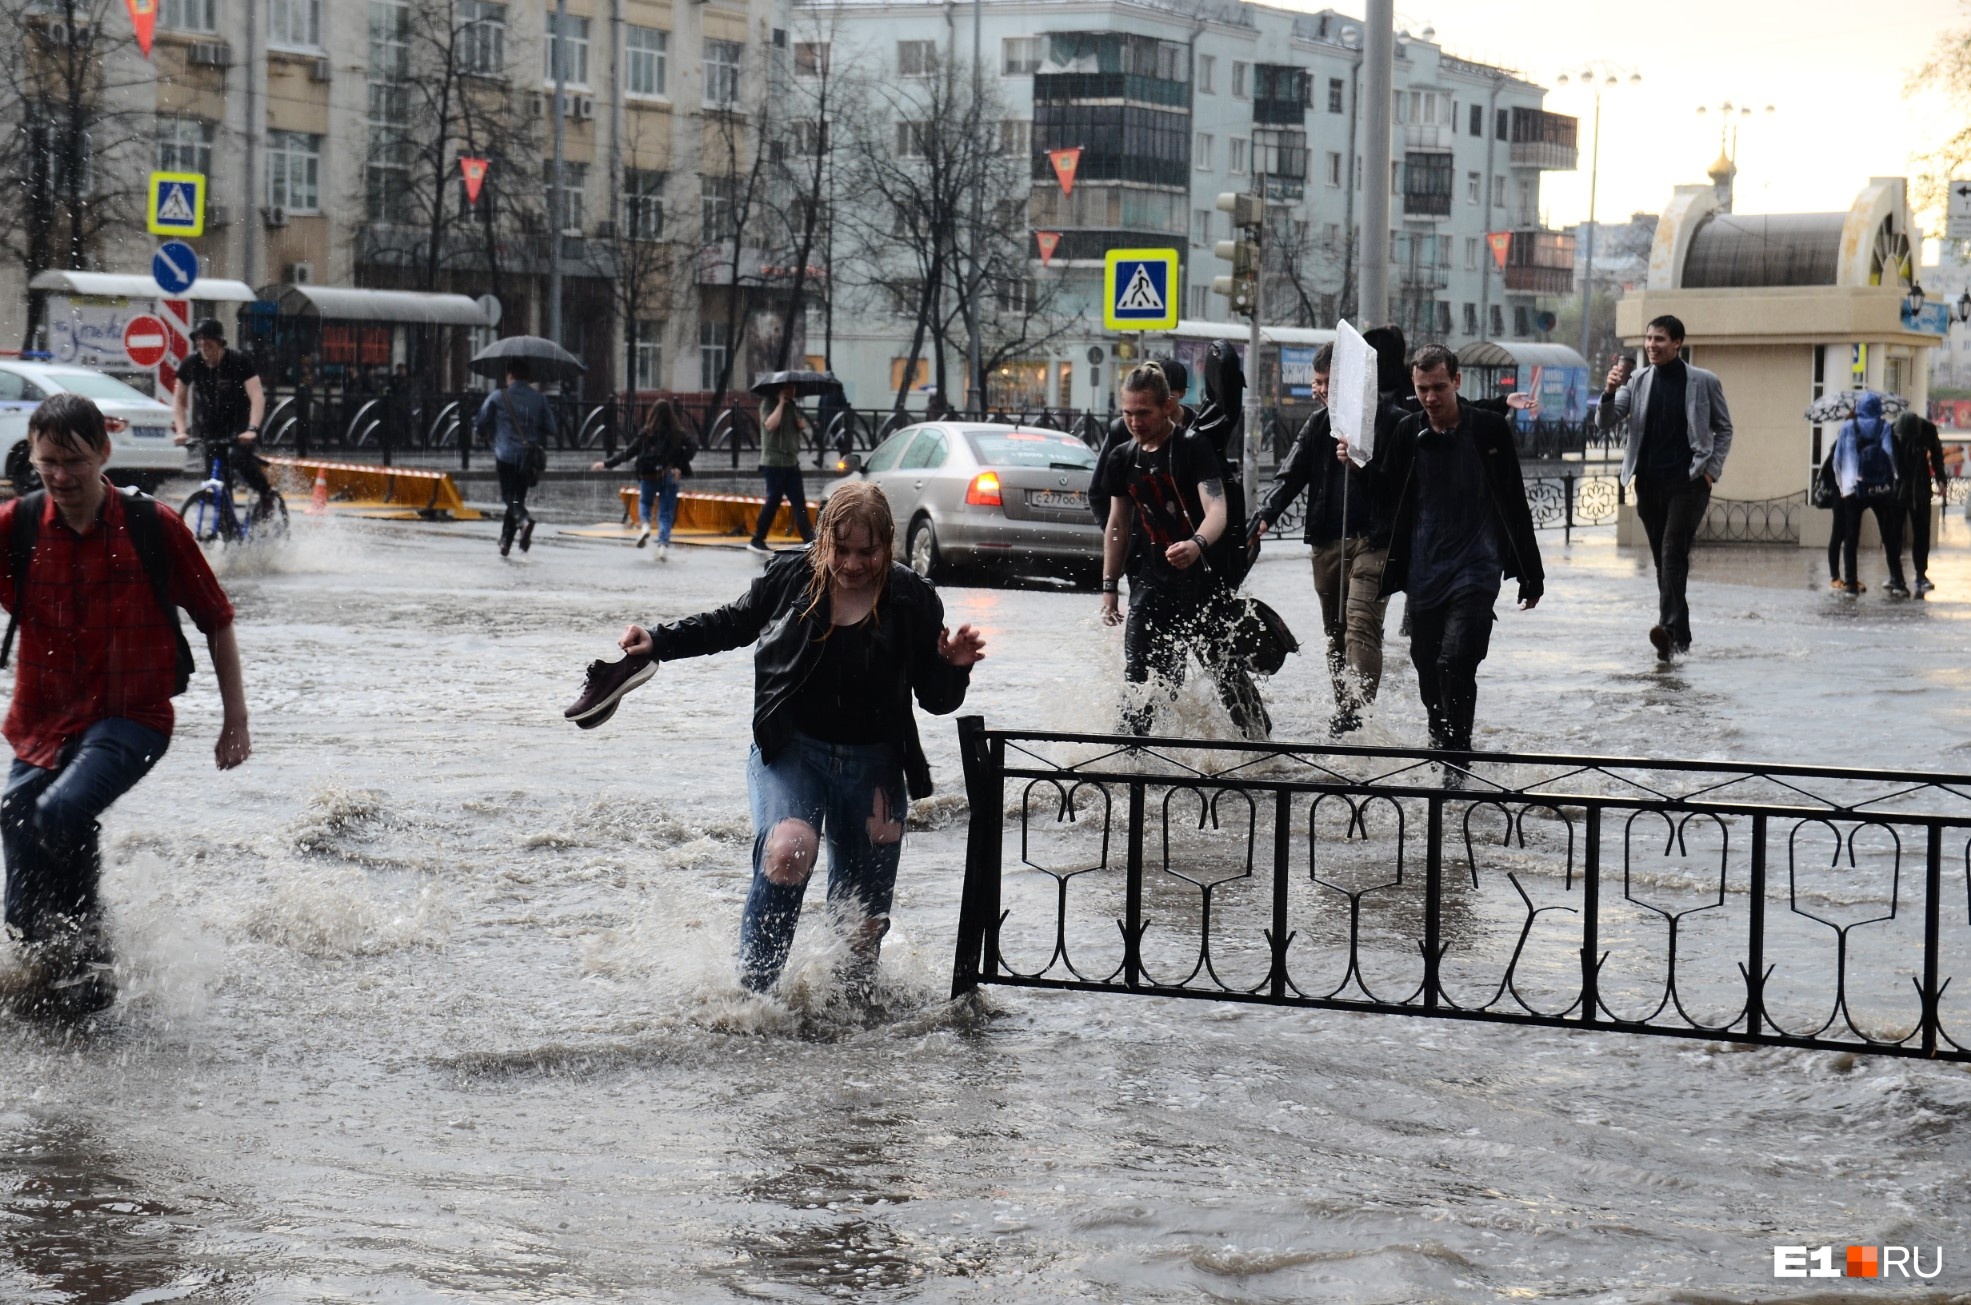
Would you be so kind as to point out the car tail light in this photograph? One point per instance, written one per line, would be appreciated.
(984, 490)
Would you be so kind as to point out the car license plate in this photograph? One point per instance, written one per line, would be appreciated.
(149, 432)
(1061, 500)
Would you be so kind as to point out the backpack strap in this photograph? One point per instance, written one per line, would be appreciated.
(147, 536)
(20, 552)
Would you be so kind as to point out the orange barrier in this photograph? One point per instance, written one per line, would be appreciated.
(722, 514)
(360, 487)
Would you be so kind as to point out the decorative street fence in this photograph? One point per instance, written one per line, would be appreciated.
(1797, 906)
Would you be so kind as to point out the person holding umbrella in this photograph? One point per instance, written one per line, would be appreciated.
(519, 421)
(780, 449)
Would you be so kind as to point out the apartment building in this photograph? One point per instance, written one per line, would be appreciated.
(1172, 102)
(331, 131)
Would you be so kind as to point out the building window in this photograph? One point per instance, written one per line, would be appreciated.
(565, 209)
(1237, 166)
(722, 73)
(913, 138)
(1200, 226)
(1016, 138)
(1200, 297)
(917, 58)
(1471, 319)
(1018, 296)
(715, 209)
(570, 47)
(643, 204)
(1498, 192)
(1502, 126)
(294, 22)
(1471, 253)
(1207, 75)
(1201, 152)
(1333, 167)
(482, 37)
(1474, 187)
(1522, 323)
(649, 355)
(711, 354)
(390, 49)
(294, 168)
(646, 51)
(189, 15)
(1395, 177)
(1478, 120)
(810, 58)
(906, 297)
(1239, 79)
(184, 145)
(810, 137)
(1019, 56)
(1337, 91)
(1498, 322)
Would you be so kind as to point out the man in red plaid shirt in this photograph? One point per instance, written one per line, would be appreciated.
(91, 712)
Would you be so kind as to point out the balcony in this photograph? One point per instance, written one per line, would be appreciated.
(1426, 204)
(1540, 262)
(1279, 95)
(1423, 276)
(1427, 136)
(1428, 179)
(1109, 87)
(1281, 154)
(1544, 140)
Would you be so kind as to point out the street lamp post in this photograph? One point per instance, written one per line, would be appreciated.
(1600, 76)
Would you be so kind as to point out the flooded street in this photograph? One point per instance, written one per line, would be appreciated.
(433, 1000)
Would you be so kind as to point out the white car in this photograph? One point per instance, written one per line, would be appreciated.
(142, 453)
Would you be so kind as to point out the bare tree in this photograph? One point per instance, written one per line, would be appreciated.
(738, 169)
(638, 254)
(75, 143)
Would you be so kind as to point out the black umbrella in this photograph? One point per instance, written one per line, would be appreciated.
(806, 384)
(547, 360)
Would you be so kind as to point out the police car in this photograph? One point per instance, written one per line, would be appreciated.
(142, 453)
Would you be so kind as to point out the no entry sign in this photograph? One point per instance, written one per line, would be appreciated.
(144, 340)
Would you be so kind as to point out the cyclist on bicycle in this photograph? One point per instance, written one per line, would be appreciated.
(220, 389)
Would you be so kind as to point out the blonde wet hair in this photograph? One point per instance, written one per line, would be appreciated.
(853, 503)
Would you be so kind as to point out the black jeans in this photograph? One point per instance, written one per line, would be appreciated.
(1671, 510)
(513, 493)
(237, 462)
(1919, 532)
(1847, 535)
(783, 483)
(1447, 642)
(1165, 622)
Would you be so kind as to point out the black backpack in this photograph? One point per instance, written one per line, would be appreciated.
(146, 535)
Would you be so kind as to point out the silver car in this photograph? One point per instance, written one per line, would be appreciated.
(970, 494)
(141, 451)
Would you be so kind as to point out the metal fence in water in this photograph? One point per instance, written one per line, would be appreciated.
(1795, 906)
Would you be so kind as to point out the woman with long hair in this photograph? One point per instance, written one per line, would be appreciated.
(663, 450)
(846, 638)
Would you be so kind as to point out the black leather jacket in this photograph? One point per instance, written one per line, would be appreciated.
(1503, 486)
(1311, 466)
(654, 454)
(909, 619)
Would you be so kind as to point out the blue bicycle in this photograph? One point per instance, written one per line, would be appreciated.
(211, 515)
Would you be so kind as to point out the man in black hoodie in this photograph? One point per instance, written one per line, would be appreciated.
(1460, 524)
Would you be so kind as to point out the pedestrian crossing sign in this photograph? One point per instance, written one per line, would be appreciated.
(1139, 290)
(176, 204)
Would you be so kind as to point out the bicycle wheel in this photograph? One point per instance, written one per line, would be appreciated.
(272, 520)
(206, 517)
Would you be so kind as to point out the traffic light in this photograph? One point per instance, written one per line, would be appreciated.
(1242, 287)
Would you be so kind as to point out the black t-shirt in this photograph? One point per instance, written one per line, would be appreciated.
(851, 694)
(1666, 425)
(1162, 488)
(220, 407)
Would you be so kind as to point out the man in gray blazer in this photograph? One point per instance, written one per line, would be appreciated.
(1679, 434)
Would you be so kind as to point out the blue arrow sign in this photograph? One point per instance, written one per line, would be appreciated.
(174, 267)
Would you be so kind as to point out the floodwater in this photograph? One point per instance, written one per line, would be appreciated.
(433, 1000)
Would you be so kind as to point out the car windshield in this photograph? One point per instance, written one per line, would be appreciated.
(95, 385)
(1001, 448)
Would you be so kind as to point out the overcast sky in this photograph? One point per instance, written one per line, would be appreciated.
(1834, 71)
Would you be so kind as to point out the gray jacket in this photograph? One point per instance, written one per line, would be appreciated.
(1704, 410)
(521, 403)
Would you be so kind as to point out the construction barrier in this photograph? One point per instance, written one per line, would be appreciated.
(360, 487)
(721, 514)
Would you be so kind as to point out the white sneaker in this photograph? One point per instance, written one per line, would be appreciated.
(663, 552)
(643, 537)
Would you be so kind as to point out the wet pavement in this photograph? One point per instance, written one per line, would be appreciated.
(433, 1000)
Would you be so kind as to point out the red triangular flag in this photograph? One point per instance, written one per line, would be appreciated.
(1065, 162)
(1048, 241)
(475, 176)
(143, 17)
(1501, 241)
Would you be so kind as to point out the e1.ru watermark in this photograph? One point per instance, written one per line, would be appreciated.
(1860, 1262)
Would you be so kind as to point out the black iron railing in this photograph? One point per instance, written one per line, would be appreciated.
(1781, 905)
(1561, 503)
